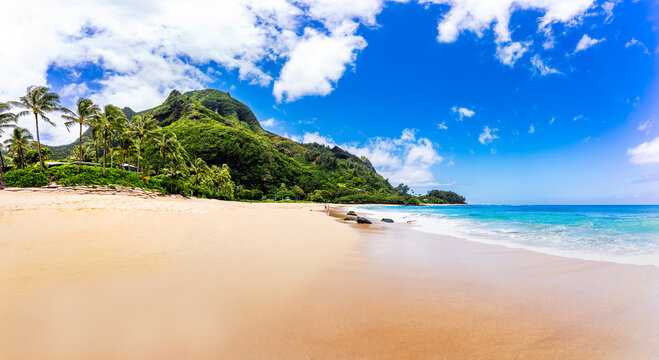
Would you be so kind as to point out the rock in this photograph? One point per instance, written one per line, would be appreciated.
(351, 213)
(350, 218)
(361, 220)
(387, 220)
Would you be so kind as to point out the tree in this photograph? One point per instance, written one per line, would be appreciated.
(402, 189)
(32, 155)
(168, 145)
(82, 153)
(38, 100)
(18, 144)
(126, 149)
(104, 124)
(199, 169)
(6, 120)
(142, 127)
(299, 193)
(85, 114)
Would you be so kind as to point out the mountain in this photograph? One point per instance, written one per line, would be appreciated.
(212, 125)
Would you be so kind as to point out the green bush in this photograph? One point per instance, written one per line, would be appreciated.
(67, 175)
(30, 177)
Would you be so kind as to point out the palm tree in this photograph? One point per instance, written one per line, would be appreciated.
(142, 127)
(18, 144)
(6, 118)
(85, 113)
(167, 144)
(126, 149)
(112, 119)
(198, 168)
(39, 101)
(82, 152)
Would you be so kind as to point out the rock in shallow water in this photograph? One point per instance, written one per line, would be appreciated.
(387, 220)
(351, 213)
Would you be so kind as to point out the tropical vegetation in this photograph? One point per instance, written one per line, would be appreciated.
(203, 143)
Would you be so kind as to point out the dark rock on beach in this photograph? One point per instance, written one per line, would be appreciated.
(351, 213)
(350, 218)
(361, 220)
(387, 220)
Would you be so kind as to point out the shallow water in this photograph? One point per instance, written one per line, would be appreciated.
(622, 234)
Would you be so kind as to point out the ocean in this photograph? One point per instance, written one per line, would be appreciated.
(627, 234)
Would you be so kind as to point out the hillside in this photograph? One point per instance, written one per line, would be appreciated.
(212, 125)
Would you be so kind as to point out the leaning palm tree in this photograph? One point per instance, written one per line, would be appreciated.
(18, 144)
(199, 169)
(6, 120)
(126, 149)
(39, 101)
(86, 112)
(112, 119)
(167, 144)
(142, 127)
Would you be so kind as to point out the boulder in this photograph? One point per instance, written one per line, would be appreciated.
(351, 213)
(361, 220)
(387, 220)
(350, 218)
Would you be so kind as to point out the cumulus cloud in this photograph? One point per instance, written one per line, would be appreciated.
(478, 16)
(586, 42)
(488, 135)
(317, 62)
(442, 126)
(269, 123)
(541, 67)
(142, 50)
(315, 137)
(646, 153)
(463, 112)
(407, 159)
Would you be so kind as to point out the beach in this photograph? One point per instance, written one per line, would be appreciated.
(117, 277)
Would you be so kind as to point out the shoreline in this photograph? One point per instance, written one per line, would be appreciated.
(110, 277)
(568, 254)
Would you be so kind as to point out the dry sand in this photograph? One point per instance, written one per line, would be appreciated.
(115, 277)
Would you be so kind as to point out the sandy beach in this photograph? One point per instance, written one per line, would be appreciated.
(117, 277)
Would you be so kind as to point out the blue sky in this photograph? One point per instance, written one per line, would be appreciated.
(502, 101)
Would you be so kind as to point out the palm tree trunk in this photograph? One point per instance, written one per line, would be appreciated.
(36, 119)
(159, 165)
(2, 172)
(139, 154)
(105, 149)
(20, 158)
(80, 157)
(123, 158)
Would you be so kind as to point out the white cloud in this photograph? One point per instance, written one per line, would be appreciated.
(646, 153)
(586, 42)
(463, 112)
(531, 129)
(552, 121)
(315, 137)
(635, 43)
(541, 67)
(271, 122)
(407, 159)
(317, 62)
(608, 9)
(478, 16)
(442, 126)
(488, 135)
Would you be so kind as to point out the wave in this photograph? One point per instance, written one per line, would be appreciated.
(622, 238)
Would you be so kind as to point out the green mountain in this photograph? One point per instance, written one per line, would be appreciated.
(212, 125)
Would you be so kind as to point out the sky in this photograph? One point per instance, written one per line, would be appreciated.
(502, 101)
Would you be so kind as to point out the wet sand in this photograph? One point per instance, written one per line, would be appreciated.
(112, 277)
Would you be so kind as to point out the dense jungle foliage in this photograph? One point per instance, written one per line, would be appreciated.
(209, 144)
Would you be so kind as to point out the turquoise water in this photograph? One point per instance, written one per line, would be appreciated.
(623, 234)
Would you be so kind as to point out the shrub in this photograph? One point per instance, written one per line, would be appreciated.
(30, 177)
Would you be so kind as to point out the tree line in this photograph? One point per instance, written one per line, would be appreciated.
(117, 136)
